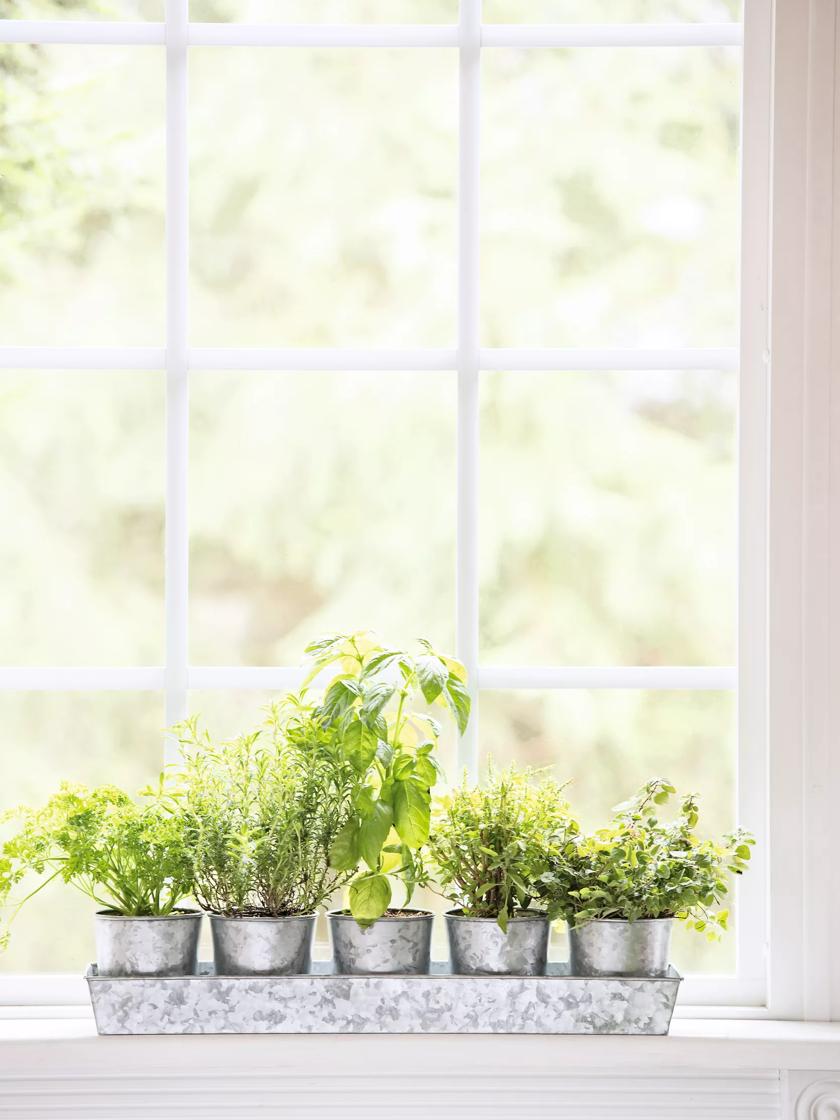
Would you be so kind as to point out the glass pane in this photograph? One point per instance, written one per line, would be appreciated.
(81, 173)
(349, 520)
(611, 11)
(325, 11)
(86, 737)
(227, 712)
(333, 226)
(610, 197)
(82, 482)
(608, 742)
(82, 9)
(608, 518)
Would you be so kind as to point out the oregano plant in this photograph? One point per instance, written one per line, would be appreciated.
(491, 845)
(641, 866)
(374, 705)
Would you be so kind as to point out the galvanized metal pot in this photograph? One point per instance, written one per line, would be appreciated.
(398, 943)
(478, 947)
(616, 947)
(262, 946)
(147, 946)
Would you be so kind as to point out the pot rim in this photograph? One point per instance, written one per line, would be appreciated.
(176, 915)
(620, 922)
(522, 916)
(215, 916)
(407, 915)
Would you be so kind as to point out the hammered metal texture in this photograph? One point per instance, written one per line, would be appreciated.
(262, 946)
(147, 946)
(478, 947)
(613, 947)
(392, 945)
(325, 1003)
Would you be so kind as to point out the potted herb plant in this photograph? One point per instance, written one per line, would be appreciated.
(374, 704)
(261, 814)
(127, 856)
(490, 846)
(621, 888)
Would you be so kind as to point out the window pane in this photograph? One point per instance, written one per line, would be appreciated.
(81, 192)
(608, 506)
(82, 481)
(325, 11)
(608, 742)
(82, 9)
(333, 226)
(611, 11)
(226, 712)
(85, 737)
(318, 502)
(610, 197)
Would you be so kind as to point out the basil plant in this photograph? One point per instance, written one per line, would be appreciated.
(377, 706)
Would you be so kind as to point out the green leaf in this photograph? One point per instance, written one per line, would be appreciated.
(381, 661)
(384, 753)
(370, 896)
(425, 768)
(363, 801)
(432, 675)
(339, 697)
(344, 851)
(359, 745)
(403, 766)
(374, 699)
(411, 813)
(434, 724)
(459, 701)
(373, 833)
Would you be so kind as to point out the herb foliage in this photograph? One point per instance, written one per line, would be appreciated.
(642, 867)
(491, 845)
(372, 704)
(128, 856)
(262, 811)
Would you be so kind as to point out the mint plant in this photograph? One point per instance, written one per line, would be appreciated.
(371, 706)
(642, 867)
(127, 856)
(491, 845)
(261, 813)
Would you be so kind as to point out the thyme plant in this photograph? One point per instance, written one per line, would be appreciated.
(491, 845)
(127, 856)
(373, 705)
(642, 867)
(262, 811)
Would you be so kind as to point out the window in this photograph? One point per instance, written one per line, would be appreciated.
(438, 321)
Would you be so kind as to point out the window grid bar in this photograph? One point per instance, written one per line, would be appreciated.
(466, 576)
(753, 456)
(546, 36)
(422, 359)
(311, 358)
(153, 678)
(177, 374)
(612, 35)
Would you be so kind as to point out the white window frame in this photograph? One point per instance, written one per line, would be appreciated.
(747, 993)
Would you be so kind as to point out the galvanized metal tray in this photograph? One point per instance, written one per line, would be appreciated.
(322, 1002)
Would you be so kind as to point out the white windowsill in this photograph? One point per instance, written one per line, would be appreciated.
(721, 1044)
